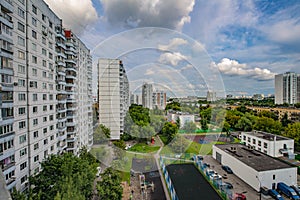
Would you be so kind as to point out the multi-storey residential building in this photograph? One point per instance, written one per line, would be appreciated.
(147, 95)
(7, 130)
(159, 100)
(40, 70)
(287, 88)
(113, 95)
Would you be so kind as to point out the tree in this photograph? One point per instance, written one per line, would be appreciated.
(226, 128)
(297, 105)
(169, 130)
(173, 106)
(285, 120)
(204, 125)
(269, 114)
(293, 131)
(268, 125)
(189, 127)
(110, 185)
(244, 124)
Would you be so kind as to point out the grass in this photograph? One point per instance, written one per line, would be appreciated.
(143, 148)
(164, 139)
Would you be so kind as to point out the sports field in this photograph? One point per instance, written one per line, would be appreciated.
(190, 184)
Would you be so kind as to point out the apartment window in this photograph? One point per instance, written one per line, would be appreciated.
(21, 69)
(22, 139)
(253, 141)
(44, 108)
(44, 63)
(21, 55)
(50, 55)
(34, 59)
(34, 9)
(23, 179)
(52, 148)
(43, 17)
(21, 13)
(33, 84)
(34, 21)
(50, 45)
(34, 97)
(22, 111)
(249, 139)
(21, 83)
(265, 145)
(44, 119)
(45, 141)
(259, 143)
(44, 85)
(44, 74)
(33, 46)
(23, 152)
(44, 40)
(51, 117)
(36, 146)
(50, 97)
(21, 27)
(52, 137)
(36, 158)
(35, 122)
(45, 130)
(50, 86)
(22, 1)
(21, 97)
(33, 33)
(35, 134)
(44, 97)
(6, 129)
(50, 34)
(51, 66)
(34, 109)
(34, 72)
(45, 153)
(21, 41)
(51, 107)
(274, 176)
(50, 76)
(22, 125)
(36, 170)
(51, 128)
(44, 52)
(23, 165)
(50, 24)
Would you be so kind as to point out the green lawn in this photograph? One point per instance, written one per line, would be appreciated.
(143, 148)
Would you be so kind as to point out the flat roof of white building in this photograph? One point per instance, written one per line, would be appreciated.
(266, 136)
(254, 159)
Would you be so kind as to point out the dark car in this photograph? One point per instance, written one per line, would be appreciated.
(227, 169)
(296, 188)
(275, 195)
(228, 185)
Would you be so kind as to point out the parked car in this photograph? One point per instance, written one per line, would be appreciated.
(227, 169)
(238, 196)
(200, 157)
(206, 165)
(287, 190)
(228, 185)
(275, 195)
(296, 188)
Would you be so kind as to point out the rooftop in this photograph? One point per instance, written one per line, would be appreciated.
(267, 136)
(254, 159)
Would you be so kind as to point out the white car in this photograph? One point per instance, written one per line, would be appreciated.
(99, 170)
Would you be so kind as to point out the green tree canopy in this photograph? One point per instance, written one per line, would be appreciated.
(293, 131)
(169, 130)
(268, 125)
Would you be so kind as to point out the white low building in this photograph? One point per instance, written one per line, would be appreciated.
(273, 145)
(183, 118)
(253, 167)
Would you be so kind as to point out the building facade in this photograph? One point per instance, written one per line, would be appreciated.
(147, 93)
(113, 95)
(270, 144)
(253, 167)
(34, 83)
(287, 88)
(159, 100)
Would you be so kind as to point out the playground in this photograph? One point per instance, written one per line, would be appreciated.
(189, 183)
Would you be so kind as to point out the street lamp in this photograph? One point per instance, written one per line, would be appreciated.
(259, 187)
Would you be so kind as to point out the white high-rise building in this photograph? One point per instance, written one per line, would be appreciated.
(113, 95)
(147, 95)
(287, 88)
(38, 64)
(159, 100)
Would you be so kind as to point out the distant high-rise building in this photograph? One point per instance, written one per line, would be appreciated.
(135, 99)
(287, 88)
(113, 95)
(147, 93)
(211, 96)
(159, 100)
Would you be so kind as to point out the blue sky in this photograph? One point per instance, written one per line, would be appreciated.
(247, 41)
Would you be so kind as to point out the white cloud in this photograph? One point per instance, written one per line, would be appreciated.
(76, 14)
(234, 68)
(137, 13)
(173, 44)
(172, 58)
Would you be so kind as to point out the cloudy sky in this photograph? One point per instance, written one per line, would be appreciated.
(197, 45)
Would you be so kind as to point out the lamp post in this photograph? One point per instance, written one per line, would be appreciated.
(259, 187)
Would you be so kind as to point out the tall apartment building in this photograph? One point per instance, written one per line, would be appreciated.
(35, 90)
(147, 95)
(113, 95)
(287, 88)
(159, 100)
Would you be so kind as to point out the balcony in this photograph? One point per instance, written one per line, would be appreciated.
(71, 76)
(70, 60)
(70, 84)
(60, 62)
(61, 129)
(8, 22)
(61, 54)
(61, 120)
(10, 183)
(8, 166)
(7, 5)
(60, 36)
(61, 45)
(70, 124)
(62, 137)
(61, 110)
(71, 139)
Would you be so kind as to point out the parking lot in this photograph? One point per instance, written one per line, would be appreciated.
(239, 186)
